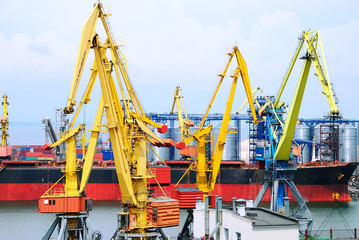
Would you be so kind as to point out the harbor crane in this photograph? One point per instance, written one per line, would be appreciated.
(4, 122)
(275, 152)
(207, 169)
(60, 150)
(5, 150)
(142, 216)
(184, 123)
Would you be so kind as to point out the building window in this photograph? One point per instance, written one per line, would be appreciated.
(238, 236)
(226, 234)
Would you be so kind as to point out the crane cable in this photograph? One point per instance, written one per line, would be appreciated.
(156, 181)
(155, 153)
(185, 173)
(271, 103)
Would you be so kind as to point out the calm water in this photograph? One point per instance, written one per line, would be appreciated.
(20, 220)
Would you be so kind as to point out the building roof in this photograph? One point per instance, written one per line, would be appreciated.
(264, 217)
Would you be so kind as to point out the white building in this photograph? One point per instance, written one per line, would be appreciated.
(246, 223)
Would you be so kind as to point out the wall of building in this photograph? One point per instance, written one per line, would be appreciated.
(233, 224)
(275, 234)
(230, 222)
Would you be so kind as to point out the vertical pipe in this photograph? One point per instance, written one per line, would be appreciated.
(206, 220)
(218, 215)
(234, 205)
(274, 199)
(331, 233)
(355, 233)
(172, 149)
(306, 234)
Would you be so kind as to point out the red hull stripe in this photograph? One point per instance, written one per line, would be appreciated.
(111, 191)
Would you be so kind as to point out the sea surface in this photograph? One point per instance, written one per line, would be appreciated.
(20, 220)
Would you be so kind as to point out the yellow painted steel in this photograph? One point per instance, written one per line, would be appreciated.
(284, 83)
(88, 32)
(311, 40)
(183, 122)
(74, 186)
(86, 96)
(53, 185)
(285, 143)
(320, 68)
(130, 163)
(221, 140)
(242, 66)
(207, 169)
(89, 156)
(72, 165)
(246, 100)
(242, 69)
(126, 123)
(4, 122)
(121, 161)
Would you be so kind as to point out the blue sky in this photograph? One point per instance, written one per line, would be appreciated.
(171, 43)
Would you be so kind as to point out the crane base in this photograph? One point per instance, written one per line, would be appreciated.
(72, 226)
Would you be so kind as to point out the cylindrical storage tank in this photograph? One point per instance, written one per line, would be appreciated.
(231, 146)
(348, 138)
(176, 136)
(322, 138)
(316, 133)
(302, 133)
(163, 152)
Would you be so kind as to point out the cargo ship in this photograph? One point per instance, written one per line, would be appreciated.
(29, 177)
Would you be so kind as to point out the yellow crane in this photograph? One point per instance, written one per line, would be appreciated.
(127, 125)
(4, 122)
(184, 123)
(207, 169)
(5, 150)
(281, 132)
(70, 201)
(246, 100)
(314, 56)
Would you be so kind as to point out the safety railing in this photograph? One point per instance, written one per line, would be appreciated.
(331, 234)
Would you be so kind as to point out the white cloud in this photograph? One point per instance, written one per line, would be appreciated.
(342, 48)
(167, 43)
(43, 52)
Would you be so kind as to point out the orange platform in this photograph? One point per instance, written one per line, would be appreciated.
(53, 204)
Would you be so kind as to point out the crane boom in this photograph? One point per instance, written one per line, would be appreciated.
(206, 182)
(311, 57)
(184, 123)
(321, 70)
(127, 126)
(241, 70)
(245, 79)
(88, 32)
(122, 169)
(285, 144)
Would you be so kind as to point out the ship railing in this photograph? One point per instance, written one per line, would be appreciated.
(332, 234)
(55, 193)
(51, 189)
(78, 168)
